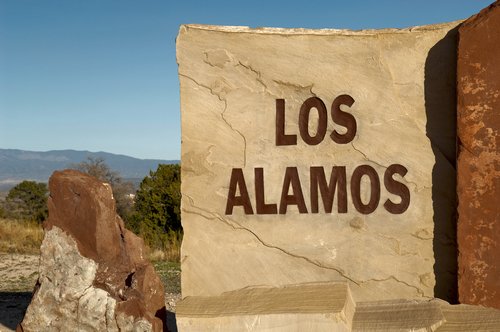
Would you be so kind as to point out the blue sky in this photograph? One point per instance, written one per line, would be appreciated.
(101, 75)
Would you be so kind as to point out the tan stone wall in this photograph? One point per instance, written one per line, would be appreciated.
(231, 79)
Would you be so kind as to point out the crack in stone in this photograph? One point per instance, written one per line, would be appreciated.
(233, 224)
(419, 291)
(257, 73)
(78, 305)
(398, 250)
(366, 158)
(237, 226)
(222, 114)
(203, 86)
(106, 314)
(296, 86)
(237, 131)
(420, 237)
(380, 165)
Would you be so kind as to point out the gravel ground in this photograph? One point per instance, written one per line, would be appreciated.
(18, 274)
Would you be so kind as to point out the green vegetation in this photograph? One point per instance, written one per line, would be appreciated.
(155, 213)
(156, 216)
(26, 201)
(170, 275)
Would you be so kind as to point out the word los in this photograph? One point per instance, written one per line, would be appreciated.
(319, 186)
(292, 193)
(339, 117)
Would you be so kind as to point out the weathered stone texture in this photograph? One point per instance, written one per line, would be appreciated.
(326, 307)
(479, 158)
(92, 275)
(307, 307)
(419, 315)
(231, 78)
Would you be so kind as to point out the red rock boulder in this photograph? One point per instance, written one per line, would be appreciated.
(93, 273)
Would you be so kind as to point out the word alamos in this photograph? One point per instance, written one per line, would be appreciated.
(292, 193)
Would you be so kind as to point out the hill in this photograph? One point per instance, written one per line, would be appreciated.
(18, 165)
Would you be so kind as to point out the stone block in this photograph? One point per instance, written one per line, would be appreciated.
(418, 315)
(318, 156)
(398, 315)
(308, 307)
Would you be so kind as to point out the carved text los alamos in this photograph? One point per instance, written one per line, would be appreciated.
(319, 186)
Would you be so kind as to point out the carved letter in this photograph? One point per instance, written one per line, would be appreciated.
(305, 109)
(238, 180)
(281, 137)
(356, 189)
(262, 207)
(318, 180)
(297, 198)
(396, 188)
(344, 119)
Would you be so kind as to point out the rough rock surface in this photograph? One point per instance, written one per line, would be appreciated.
(307, 307)
(479, 158)
(233, 81)
(92, 275)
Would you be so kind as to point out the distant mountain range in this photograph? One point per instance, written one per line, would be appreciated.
(18, 165)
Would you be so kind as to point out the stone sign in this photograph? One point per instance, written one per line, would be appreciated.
(318, 156)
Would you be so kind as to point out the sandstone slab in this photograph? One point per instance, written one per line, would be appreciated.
(308, 307)
(318, 155)
(419, 315)
(326, 307)
(92, 275)
(479, 158)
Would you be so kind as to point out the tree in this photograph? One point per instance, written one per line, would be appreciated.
(28, 200)
(98, 168)
(157, 214)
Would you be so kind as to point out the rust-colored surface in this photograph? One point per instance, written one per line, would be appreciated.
(478, 167)
(84, 208)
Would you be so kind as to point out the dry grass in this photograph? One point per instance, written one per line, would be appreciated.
(156, 255)
(22, 237)
(170, 252)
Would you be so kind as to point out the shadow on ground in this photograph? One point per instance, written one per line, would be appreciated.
(12, 308)
(171, 322)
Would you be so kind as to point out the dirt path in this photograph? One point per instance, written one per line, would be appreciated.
(18, 274)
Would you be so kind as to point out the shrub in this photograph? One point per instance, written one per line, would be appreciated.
(27, 201)
(157, 209)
